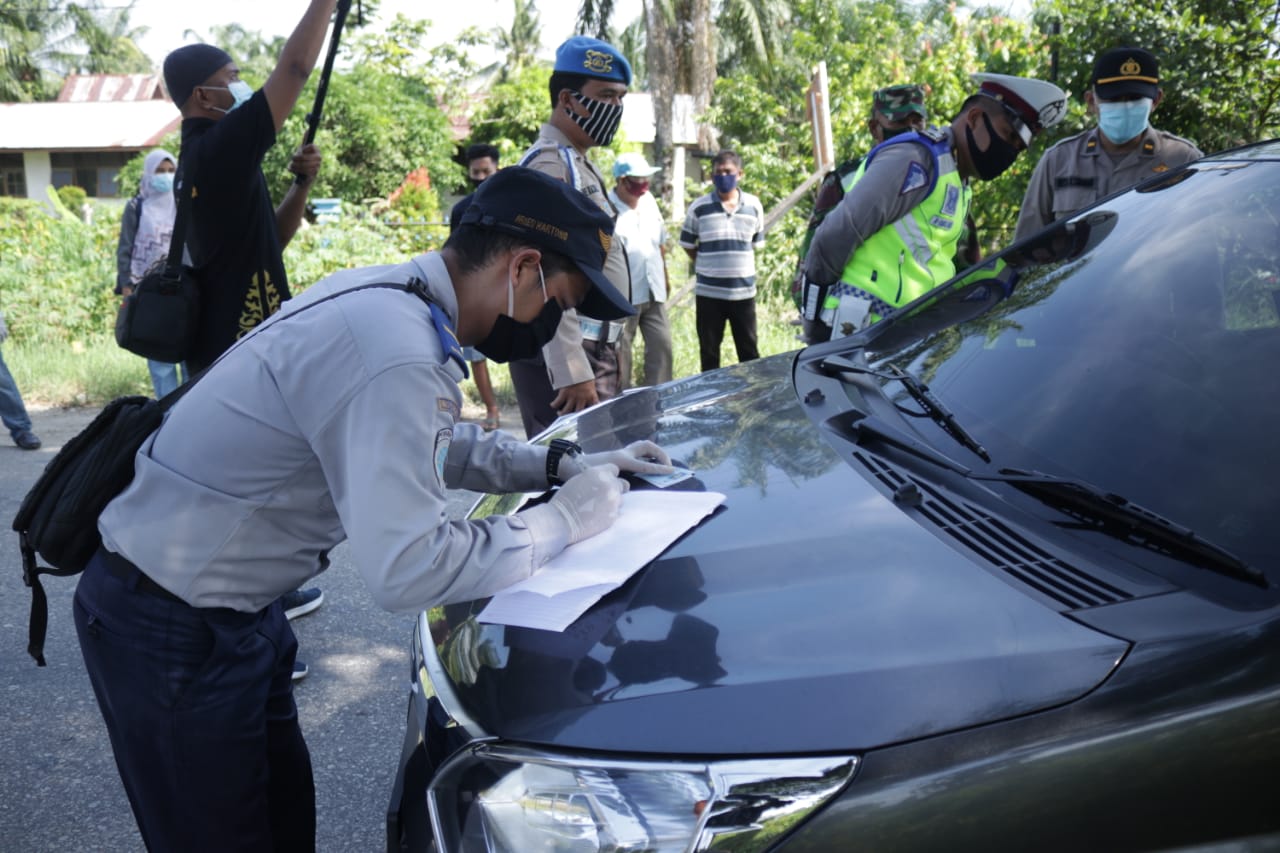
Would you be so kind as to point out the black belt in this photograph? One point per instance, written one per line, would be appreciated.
(132, 575)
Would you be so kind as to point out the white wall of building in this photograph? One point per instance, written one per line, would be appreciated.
(38, 172)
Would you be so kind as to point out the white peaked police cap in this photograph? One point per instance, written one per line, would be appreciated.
(1035, 105)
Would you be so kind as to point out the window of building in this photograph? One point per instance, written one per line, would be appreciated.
(13, 177)
(93, 171)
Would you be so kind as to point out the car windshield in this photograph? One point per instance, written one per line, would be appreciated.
(1135, 346)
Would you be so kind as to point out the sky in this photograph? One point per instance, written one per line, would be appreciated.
(167, 20)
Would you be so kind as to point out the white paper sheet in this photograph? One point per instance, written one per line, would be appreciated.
(567, 586)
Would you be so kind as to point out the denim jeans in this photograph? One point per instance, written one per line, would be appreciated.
(199, 706)
(12, 411)
(165, 377)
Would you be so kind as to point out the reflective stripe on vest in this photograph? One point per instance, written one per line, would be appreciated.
(909, 257)
(566, 154)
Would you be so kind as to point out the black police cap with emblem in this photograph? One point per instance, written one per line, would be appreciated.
(1125, 71)
(550, 215)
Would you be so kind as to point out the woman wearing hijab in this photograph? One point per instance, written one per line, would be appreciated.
(145, 232)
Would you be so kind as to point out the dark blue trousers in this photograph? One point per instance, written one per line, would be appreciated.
(199, 706)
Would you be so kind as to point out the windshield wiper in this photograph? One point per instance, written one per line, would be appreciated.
(919, 391)
(1114, 514)
(873, 428)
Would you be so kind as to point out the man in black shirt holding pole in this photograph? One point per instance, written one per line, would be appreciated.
(235, 238)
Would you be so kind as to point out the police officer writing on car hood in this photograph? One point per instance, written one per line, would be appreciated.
(337, 419)
(1123, 150)
(893, 236)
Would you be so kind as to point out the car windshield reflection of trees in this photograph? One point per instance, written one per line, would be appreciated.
(1144, 365)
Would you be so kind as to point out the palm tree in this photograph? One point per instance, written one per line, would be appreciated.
(520, 43)
(593, 18)
(110, 43)
(752, 36)
(37, 46)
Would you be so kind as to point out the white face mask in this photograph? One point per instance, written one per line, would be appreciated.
(240, 92)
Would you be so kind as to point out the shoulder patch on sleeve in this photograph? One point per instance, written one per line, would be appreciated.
(444, 404)
(916, 179)
(443, 439)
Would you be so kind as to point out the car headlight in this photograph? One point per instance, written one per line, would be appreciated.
(500, 798)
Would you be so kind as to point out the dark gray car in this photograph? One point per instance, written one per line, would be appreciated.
(998, 573)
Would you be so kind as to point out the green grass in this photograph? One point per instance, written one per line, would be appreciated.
(94, 371)
(79, 374)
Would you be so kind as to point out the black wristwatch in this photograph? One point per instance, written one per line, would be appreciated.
(559, 449)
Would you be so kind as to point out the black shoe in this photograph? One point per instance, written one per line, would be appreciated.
(27, 440)
(300, 602)
(299, 670)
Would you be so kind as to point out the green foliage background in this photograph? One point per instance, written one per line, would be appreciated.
(1220, 62)
(1219, 70)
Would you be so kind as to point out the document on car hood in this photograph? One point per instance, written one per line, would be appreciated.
(566, 587)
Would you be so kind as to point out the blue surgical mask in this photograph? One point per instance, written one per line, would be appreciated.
(1121, 121)
(162, 182)
(240, 92)
(724, 183)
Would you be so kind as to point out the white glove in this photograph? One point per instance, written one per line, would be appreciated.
(589, 503)
(639, 457)
(4, 330)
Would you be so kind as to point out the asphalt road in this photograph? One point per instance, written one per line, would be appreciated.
(59, 789)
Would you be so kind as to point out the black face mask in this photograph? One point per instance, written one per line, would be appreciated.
(998, 157)
(511, 340)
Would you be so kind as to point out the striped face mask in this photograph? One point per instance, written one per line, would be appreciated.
(601, 121)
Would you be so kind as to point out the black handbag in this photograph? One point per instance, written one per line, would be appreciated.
(160, 318)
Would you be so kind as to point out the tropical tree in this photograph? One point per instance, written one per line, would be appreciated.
(108, 40)
(1219, 61)
(753, 35)
(37, 48)
(520, 43)
(514, 110)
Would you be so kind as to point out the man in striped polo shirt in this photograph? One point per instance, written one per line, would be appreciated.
(721, 233)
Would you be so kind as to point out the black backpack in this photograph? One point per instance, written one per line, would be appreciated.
(59, 516)
(58, 519)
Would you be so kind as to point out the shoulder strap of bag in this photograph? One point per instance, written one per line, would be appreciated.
(415, 286)
(44, 494)
(178, 241)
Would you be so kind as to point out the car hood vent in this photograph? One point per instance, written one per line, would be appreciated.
(1068, 586)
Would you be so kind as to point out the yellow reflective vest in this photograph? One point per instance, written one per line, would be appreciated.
(907, 258)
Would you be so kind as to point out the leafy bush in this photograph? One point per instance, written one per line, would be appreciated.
(57, 279)
(73, 198)
(414, 200)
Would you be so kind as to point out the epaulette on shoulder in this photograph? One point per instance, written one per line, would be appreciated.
(936, 134)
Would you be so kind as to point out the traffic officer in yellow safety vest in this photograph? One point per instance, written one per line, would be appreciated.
(579, 367)
(1123, 150)
(894, 235)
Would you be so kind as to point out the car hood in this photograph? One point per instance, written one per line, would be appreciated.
(808, 614)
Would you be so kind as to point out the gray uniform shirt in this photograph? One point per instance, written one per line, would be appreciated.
(566, 363)
(339, 423)
(1076, 172)
(881, 197)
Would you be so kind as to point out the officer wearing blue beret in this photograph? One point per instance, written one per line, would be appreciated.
(579, 367)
